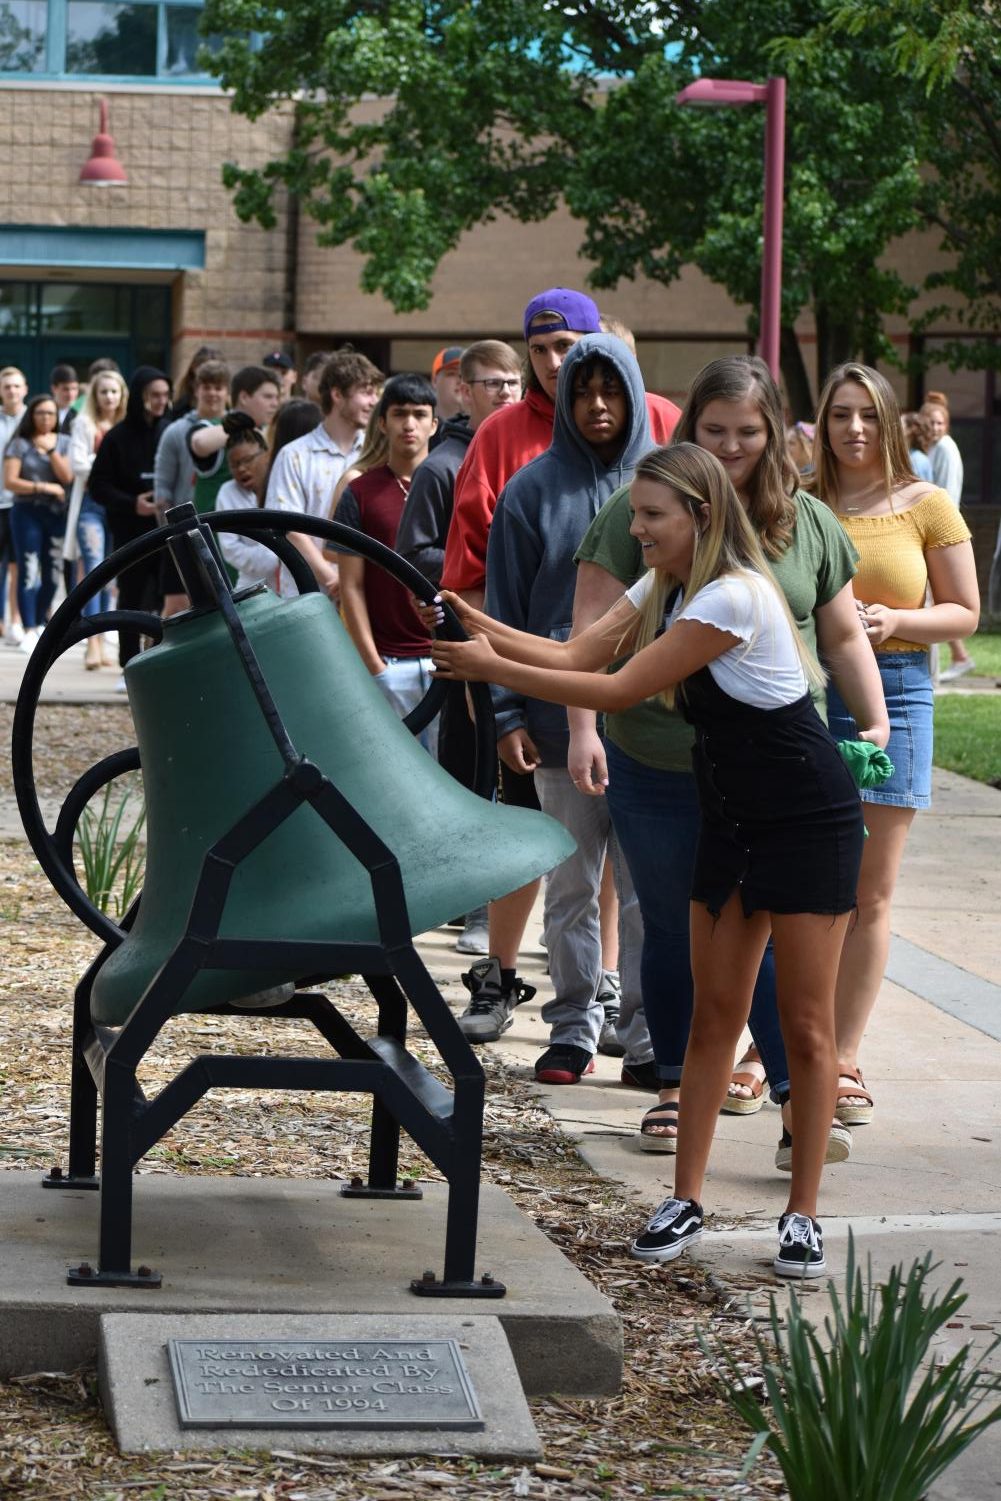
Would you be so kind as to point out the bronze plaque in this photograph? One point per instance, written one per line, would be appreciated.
(305, 1383)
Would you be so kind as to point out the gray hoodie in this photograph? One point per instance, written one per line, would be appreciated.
(541, 517)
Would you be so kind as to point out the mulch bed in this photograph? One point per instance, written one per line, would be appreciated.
(669, 1432)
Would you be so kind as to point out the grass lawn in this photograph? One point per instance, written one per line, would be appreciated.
(968, 735)
(985, 649)
(968, 726)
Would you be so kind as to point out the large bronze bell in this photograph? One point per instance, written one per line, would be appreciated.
(207, 758)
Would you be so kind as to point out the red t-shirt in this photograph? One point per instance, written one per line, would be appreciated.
(373, 503)
(502, 445)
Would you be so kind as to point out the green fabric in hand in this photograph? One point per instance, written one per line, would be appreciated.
(869, 766)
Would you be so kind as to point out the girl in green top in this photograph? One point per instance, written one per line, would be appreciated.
(733, 410)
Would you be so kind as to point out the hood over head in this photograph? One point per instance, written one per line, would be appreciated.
(569, 444)
(141, 377)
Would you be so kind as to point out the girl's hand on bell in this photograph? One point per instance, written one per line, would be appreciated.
(469, 661)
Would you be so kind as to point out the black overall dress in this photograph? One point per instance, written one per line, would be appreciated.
(781, 817)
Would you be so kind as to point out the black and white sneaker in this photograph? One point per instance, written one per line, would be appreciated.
(671, 1229)
(801, 1247)
(489, 1011)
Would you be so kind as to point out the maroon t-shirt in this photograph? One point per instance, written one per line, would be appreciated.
(373, 503)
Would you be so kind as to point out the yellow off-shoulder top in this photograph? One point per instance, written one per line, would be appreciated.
(892, 551)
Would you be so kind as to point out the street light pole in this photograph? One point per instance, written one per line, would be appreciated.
(771, 250)
(713, 92)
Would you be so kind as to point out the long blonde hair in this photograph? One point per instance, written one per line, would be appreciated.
(892, 447)
(726, 543)
(90, 408)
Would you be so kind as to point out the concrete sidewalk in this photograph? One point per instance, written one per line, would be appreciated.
(924, 1176)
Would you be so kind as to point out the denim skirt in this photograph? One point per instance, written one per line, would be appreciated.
(907, 686)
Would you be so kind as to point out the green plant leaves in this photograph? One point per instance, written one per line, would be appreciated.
(865, 1412)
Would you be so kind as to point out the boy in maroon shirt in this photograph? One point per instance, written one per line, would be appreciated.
(377, 611)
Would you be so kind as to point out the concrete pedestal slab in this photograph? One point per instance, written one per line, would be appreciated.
(139, 1400)
(270, 1245)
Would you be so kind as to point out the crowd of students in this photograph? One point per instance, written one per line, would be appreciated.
(709, 651)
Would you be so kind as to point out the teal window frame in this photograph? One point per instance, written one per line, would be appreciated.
(55, 52)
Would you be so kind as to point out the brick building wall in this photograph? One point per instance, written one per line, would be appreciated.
(172, 145)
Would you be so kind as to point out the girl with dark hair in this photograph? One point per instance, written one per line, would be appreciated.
(253, 562)
(733, 411)
(295, 419)
(911, 541)
(781, 835)
(36, 470)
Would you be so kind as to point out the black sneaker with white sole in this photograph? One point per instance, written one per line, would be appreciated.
(672, 1228)
(801, 1247)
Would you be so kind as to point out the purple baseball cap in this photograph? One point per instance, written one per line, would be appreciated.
(565, 311)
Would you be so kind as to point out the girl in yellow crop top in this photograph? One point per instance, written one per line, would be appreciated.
(912, 543)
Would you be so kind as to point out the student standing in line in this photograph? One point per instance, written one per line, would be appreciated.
(36, 470)
(600, 432)
(782, 832)
(305, 473)
(13, 391)
(391, 640)
(122, 481)
(644, 765)
(947, 473)
(87, 536)
(911, 540)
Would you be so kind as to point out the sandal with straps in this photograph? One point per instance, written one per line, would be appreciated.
(665, 1114)
(743, 1076)
(855, 1105)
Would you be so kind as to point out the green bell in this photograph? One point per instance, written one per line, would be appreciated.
(208, 757)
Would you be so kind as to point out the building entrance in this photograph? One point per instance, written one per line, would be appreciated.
(74, 322)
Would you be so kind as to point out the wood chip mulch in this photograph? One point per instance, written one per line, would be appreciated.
(669, 1432)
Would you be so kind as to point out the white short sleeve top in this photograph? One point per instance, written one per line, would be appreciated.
(765, 670)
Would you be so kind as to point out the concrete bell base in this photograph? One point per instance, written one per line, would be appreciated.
(273, 1245)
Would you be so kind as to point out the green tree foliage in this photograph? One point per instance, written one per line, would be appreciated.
(952, 50)
(507, 107)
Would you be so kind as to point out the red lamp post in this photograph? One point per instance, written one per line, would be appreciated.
(732, 91)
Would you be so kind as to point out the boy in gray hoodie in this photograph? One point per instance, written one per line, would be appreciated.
(600, 432)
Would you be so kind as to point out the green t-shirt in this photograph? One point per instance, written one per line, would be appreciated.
(816, 565)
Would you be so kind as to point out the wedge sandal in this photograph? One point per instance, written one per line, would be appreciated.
(749, 1074)
(659, 1115)
(852, 1090)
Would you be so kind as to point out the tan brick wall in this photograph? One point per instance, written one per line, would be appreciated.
(172, 147)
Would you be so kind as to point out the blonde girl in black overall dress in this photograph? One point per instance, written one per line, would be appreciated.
(782, 828)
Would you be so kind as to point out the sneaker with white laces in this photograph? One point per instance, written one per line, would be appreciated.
(801, 1247)
(489, 1012)
(609, 998)
(672, 1228)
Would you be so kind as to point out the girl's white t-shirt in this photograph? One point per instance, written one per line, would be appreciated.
(765, 670)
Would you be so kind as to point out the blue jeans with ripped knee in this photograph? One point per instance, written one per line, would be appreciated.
(93, 541)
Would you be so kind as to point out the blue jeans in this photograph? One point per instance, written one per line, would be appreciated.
(38, 530)
(92, 540)
(910, 705)
(655, 815)
(404, 681)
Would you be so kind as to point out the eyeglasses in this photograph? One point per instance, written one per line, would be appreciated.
(495, 383)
